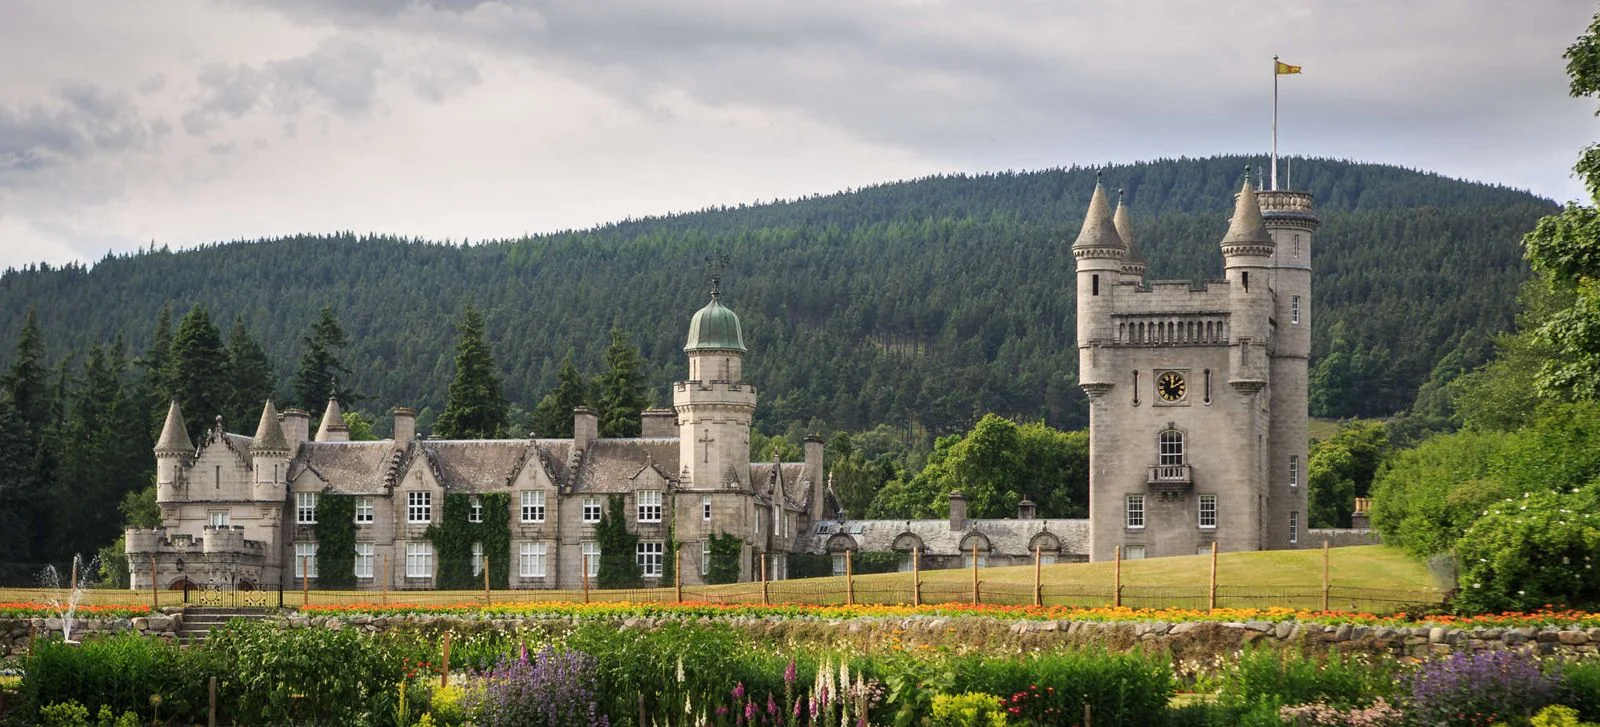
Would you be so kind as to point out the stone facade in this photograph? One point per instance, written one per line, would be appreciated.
(240, 511)
(1197, 390)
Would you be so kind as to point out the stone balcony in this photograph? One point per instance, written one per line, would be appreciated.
(1170, 479)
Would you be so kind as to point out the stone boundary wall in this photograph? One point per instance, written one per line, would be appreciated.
(1194, 639)
(1341, 537)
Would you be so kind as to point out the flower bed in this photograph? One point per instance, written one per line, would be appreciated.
(34, 609)
(1549, 618)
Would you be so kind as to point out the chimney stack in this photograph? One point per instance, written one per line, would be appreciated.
(405, 425)
(813, 473)
(296, 427)
(658, 423)
(1360, 520)
(958, 510)
(585, 427)
(1026, 510)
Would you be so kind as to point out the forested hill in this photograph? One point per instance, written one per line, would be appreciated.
(929, 301)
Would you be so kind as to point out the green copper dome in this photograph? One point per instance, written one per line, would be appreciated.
(715, 328)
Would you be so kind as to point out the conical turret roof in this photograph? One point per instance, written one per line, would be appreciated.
(1098, 229)
(1124, 226)
(269, 433)
(1246, 227)
(332, 421)
(715, 327)
(174, 433)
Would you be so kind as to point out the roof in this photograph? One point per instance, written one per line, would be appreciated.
(332, 421)
(476, 465)
(715, 328)
(611, 465)
(1004, 536)
(352, 468)
(1098, 229)
(767, 476)
(1124, 224)
(269, 433)
(174, 435)
(1246, 227)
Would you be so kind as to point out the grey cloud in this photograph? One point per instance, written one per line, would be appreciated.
(443, 78)
(152, 84)
(84, 121)
(341, 76)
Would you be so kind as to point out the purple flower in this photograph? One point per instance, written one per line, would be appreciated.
(738, 691)
(772, 705)
(1494, 683)
(750, 711)
(551, 688)
(789, 673)
(722, 710)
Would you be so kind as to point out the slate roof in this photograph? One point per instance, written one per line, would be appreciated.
(764, 476)
(1005, 536)
(609, 465)
(354, 468)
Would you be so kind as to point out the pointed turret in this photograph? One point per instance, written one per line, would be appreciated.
(1247, 230)
(269, 433)
(333, 428)
(1099, 232)
(1133, 262)
(174, 434)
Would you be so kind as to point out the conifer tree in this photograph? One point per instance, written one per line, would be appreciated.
(318, 378)
(26, 381)
(198, 372)
(152, 392)
(553, 416)
(250, 372)
(477, 407)
(622, 390)
(18, 497)
(29, 424)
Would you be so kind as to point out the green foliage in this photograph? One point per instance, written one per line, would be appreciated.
(250, 375)
(123, 672)
(972, 709)
(619, 563)
(1580, 687)
(1556, 715)
(810, 565)
(669, 555)
(199, 372)
(64, 714)
(1530, 551)
(642, 665)
(1341, 469)
(113, 561)
(336, 541)
(875, 562)
(726, 552)
(360, 426)
(476, 408)
(284, 676)
(622, 392)
(1267, 676)
(1121, 689)
(992, 465)
(139, 508)
(553, 416)
(454, 534)
(317, 379)
(1429, 495)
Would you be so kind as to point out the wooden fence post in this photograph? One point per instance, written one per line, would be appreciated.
(677, 575)
(765, 597)
(1038, 585)
(1211, 603)
(916, 576)
(975, 599)
(1116, 593)
(585, 577)
(211, 718)
(485, 587)
(305, 581)
(1326, 584)
(444, 666)
(849, 580)
(155, 588)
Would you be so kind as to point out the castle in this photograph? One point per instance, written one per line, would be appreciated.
(1197, 391)
(1197, 399)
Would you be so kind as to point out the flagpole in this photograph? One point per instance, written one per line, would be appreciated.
(1274, 123)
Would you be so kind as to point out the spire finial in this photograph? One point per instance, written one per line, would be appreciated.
(1120, 193)
(1098, 173)
(716, 264)
(1247, 172)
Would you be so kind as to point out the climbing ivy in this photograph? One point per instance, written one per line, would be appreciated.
(725, 553)
(336, 541)
(669, 556)
(810, 565)
(454, 534)
(619, 566)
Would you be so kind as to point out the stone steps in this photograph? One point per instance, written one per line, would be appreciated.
(199, 622)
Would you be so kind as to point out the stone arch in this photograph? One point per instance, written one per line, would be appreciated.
(182, 583)
(1044, 541)
(908, 541)
(975, 538)
(841, 542)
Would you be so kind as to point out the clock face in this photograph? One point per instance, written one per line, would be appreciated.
(1170, 386)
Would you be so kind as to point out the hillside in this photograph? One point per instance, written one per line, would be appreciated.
(928, 301)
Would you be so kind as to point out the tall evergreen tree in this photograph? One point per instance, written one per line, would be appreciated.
(27, 380)
(477, 407)
(152, 391)
(318, 378)
(29, 425)
(553, 416)
(198, 372)
(18, 496)
(250, 373)
(622, 389)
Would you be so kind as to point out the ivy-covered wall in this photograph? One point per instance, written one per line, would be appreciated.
(619, 565)
(336, 541)
(725, 553)
(454, 534)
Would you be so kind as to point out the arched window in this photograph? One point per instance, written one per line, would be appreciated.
(1170, 448)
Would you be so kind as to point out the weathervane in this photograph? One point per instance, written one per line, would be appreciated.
(716, 263)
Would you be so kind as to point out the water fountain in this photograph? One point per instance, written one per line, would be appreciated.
(66, 610)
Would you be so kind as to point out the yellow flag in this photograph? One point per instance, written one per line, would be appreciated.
(1284, 69)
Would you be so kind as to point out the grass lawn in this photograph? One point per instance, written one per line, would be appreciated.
(1376, 579)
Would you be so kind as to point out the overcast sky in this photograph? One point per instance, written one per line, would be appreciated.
(187, 121)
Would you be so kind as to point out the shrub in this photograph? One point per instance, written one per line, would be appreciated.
(1264, 676)
(64, 714)
(1580, 687)
(277, 675)
(1558, 716)
(1479, 689)
(551, 688)
(972, 709)
(1530, 551)
(1120, 689)
(122, 672)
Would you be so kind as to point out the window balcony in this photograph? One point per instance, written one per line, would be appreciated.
(1170, 478)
